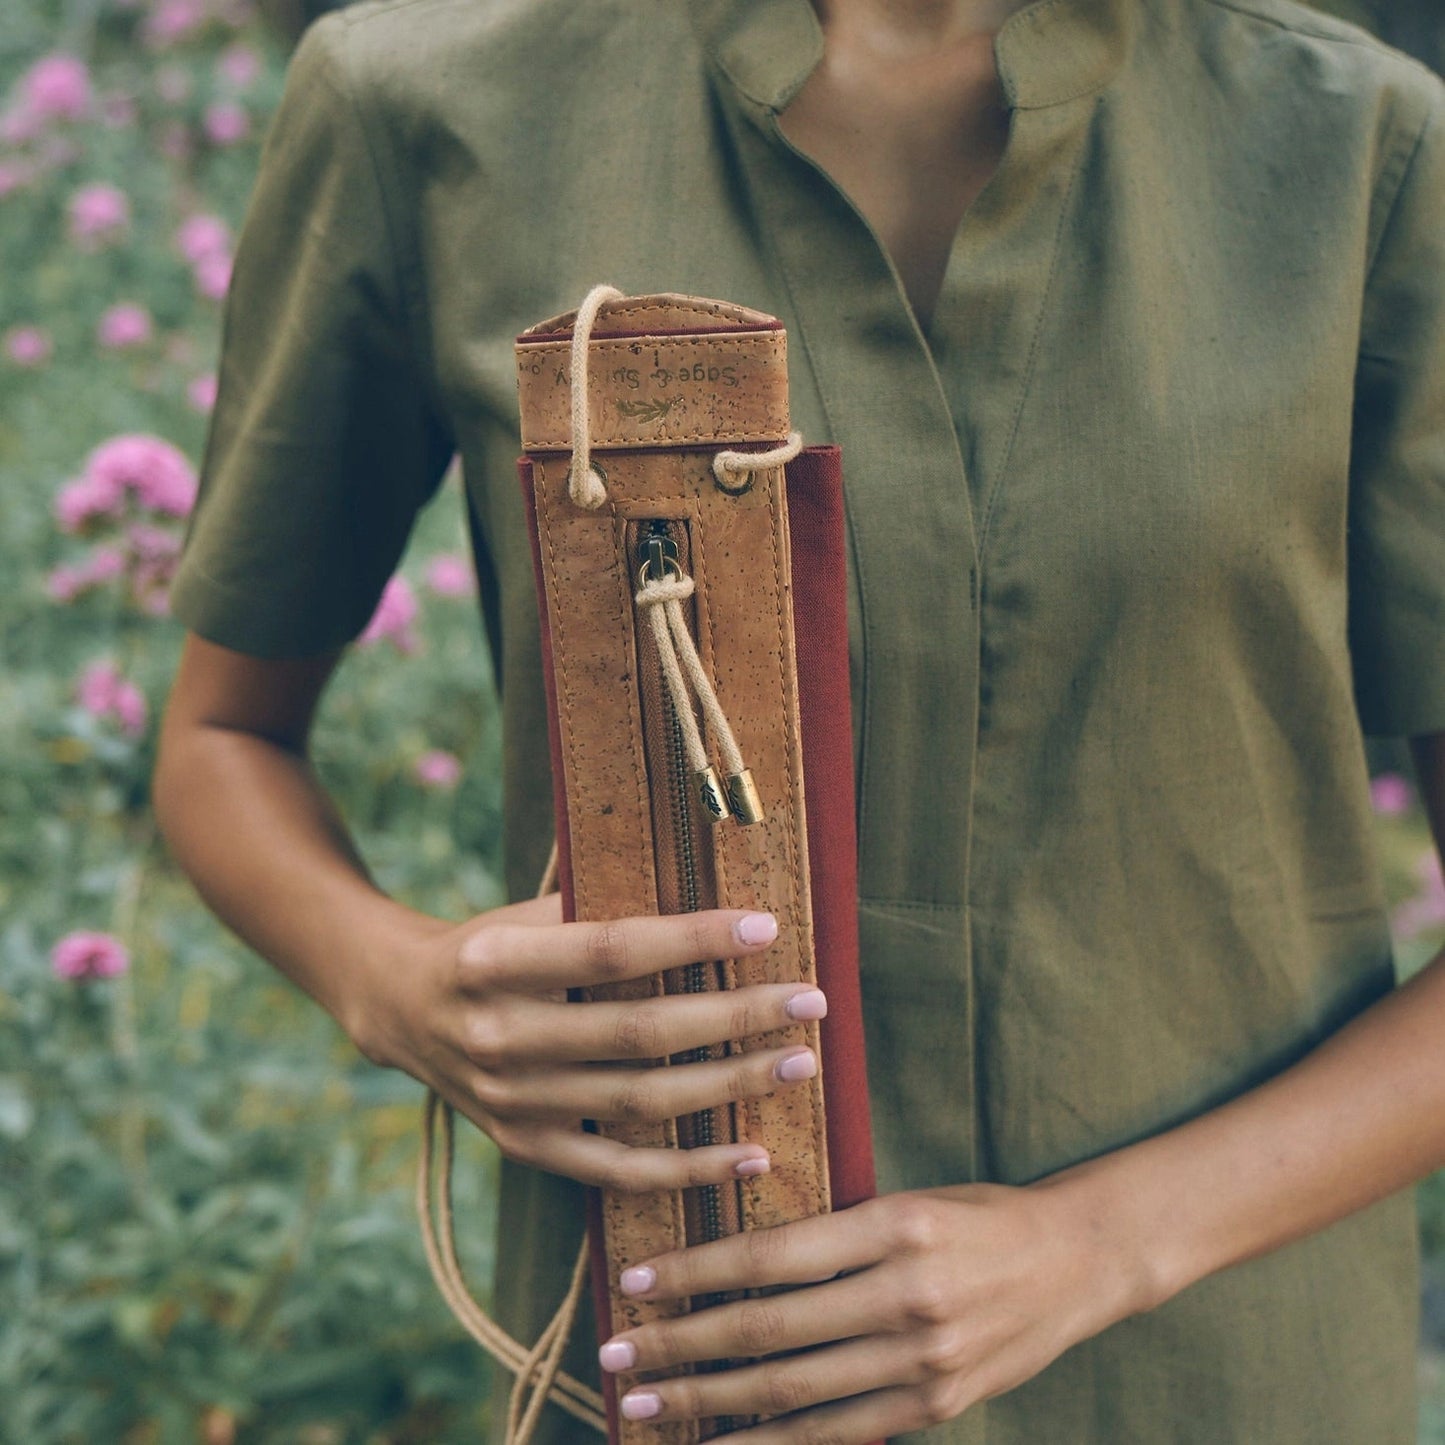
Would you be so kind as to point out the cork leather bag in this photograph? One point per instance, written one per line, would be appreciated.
(666, 478)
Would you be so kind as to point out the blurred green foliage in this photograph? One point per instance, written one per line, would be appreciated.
(206, 1221)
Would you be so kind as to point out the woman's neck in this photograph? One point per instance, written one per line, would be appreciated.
(904, 25)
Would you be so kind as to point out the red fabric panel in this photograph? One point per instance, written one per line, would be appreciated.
(820, 630)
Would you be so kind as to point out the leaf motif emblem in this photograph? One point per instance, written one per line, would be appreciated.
(653, 410)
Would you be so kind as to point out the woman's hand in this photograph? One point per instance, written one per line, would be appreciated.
(480, 1014)
(912, 1308)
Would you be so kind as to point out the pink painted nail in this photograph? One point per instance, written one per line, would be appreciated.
(806, 1006)
(637, 1280)
(753, 928)
(796, 1067)
(747, 1168)
(617, 1355)
(641, 1405)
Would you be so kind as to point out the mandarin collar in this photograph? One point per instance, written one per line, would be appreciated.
(1050, 52)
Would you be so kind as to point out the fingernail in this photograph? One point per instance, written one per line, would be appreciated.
(747, 1168)
(754, 928)
(641, 1405)
(810, 1004)
(796, 1067)
(637, 1280)
(617, 1355)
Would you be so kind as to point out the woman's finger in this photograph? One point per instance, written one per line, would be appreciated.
(817, 1315)
(860, 1420)
(607, 1164)
(775, 1387)
(656, 1028)
(799, 1253)
(646, 1095)
(523, 958)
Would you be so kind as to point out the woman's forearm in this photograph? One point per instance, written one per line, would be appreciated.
(263, 843)
(1359, 1118)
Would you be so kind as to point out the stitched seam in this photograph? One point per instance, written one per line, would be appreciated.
(775, 485)
(723, 342)
(634, 440)
(646, 845)
(751, 1109)
(1030, 365)
(560, 667)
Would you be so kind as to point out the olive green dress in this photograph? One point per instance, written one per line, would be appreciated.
(1143, 529)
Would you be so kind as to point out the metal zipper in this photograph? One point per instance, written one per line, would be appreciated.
(685, 884)
(683, 863)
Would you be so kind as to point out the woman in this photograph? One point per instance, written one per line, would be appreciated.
(1128, 317)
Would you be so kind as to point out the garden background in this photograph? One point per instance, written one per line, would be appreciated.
(206, 1226)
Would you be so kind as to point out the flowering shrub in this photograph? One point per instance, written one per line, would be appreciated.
(206, 1225)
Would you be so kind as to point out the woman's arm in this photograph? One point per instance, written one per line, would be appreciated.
(933, 1300)
(475, 1010)
(246, 818)
(1360, 1117)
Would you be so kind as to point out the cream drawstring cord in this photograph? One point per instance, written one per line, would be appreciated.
(539, 1370)
(539, 1373)
(585, 486)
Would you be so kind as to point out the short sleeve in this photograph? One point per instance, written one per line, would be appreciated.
(325, 438)
(1397, 511)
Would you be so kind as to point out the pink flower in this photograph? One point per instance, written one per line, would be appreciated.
(438, 769)
(158, 475)
(1391, 795)
(449, 575)
(28, 345)
(80, 956)
(173, 84)
(201, 393)
(393, 618)
(173, 20)
(203, 235)
(226, 122)
(1426, 910)
(80, 502)
(105, 694)
(213, 276)
(239, 65)
(98, 214)
(102, 565)
(123, 326)
(57, 86)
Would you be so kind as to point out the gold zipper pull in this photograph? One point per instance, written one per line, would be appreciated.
(747, 804)
(710, 793)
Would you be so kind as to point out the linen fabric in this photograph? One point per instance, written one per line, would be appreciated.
(1143, 530)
